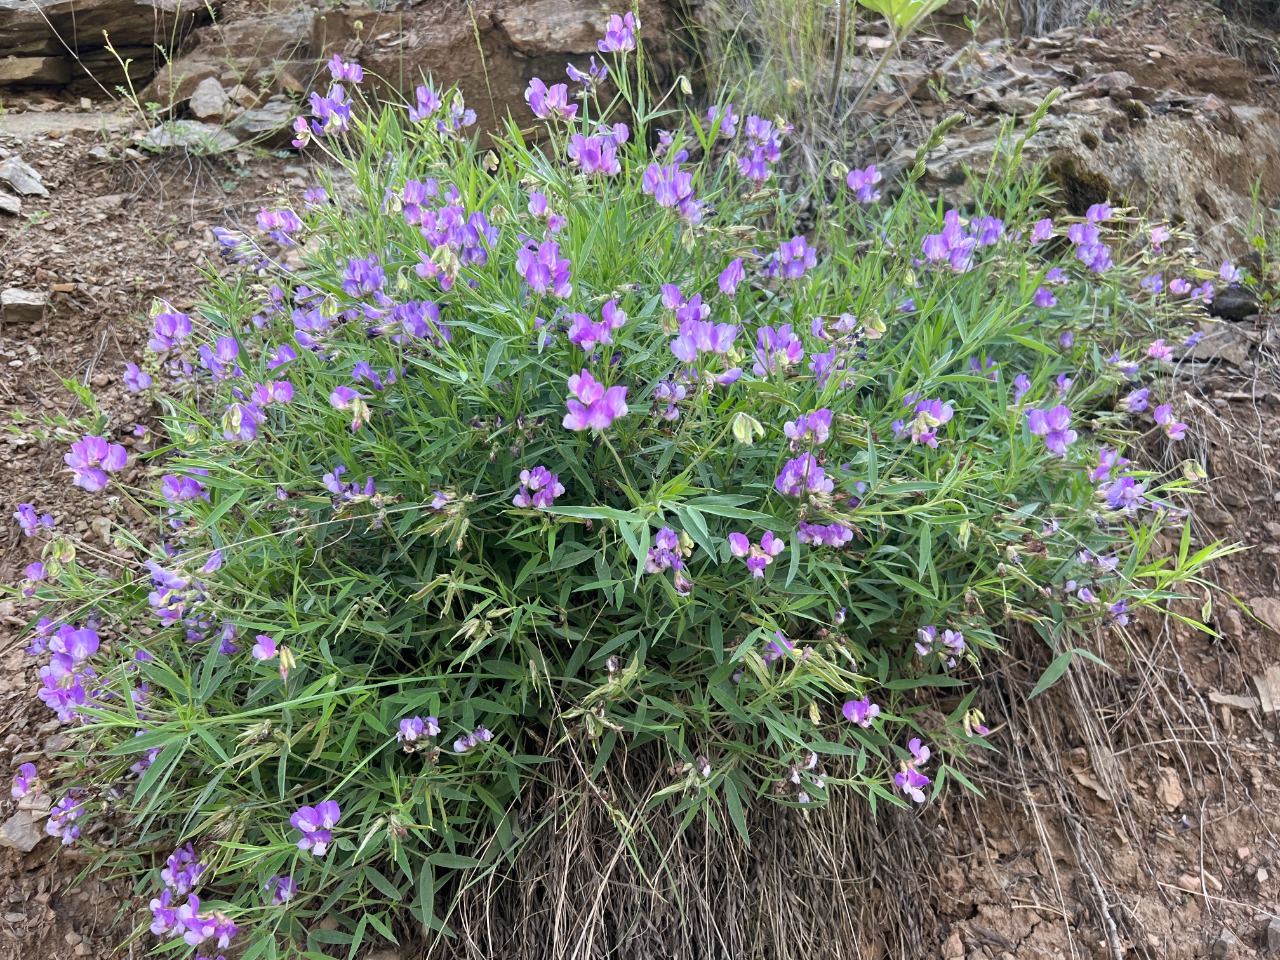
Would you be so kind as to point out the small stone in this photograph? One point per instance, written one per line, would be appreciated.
(19, 832)
(22, 306)
(1225, 945)
(270, 124)
(71, 938)
(11, 204)
(22, 177)
(1189, 883)
(86, 104)
(1170, 788)
(14, 917)
(1232, 622)
(208, 100)
(242, 95)
(1267, 610)
(1271, 937)
(1262, 876)
(199, 138)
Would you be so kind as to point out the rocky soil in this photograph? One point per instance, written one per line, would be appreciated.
(1130, 814)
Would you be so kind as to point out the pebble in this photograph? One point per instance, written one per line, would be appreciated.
(1271, 936)
(22, 306)
(20, 832)
(1225, 945)
(72, 939)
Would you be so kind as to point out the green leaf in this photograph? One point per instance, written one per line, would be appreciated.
(1053, 673)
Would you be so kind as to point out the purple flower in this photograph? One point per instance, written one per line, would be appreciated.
(1042, 231)
(283, 889)
(264, 647)
(1124, 494)
(1021, 386)
(912, 782)
(930, 414)
(25, 781)
(812, 427)
(30, 521)
(1108, 460)
(668, 185)
(593, 77)
(1136, 401)
(594, 155)
(1203, 292)
(164, 919)
(820, 535)
(332, 113)
(620, 34)
(726, 118)
(92, 458)
(549, 102)
(1178, 286)
(363, 277)
(793, 258)
(281, 355)
(776, 349)
(862, 183)
(539, 488)
(730, 277)
(342, 70)
(592, 406)
(862, 712)
(135, 379)
(1044, 298)
(277, 391)
(315, 824)
(1153, 283)
(543, 269)
(1054, 425)
(586, 333)
(469, 741)
(281, 224)
(1159, 350)
(1193, 339)
(801, 474)
(699, 337)
(1159, 235)
(427, 103)
(182, 871)
(1066, 340)
(1164, 416)
(757, 556)
(1118, 613)
(1098, 213)
(63, 817)
(413, 729)
(176, 489)
(1230, 273)
(168, 330)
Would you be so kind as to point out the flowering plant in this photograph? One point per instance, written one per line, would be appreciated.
(586, 441)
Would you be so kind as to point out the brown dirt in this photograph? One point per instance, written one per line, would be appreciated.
(1131, 814)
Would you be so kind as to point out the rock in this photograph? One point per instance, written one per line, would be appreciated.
(1271, 936)
(10, 204)
(1267, 610)
(1232, 622)
(53, 26)
(199, 138)
(22, 306)
(22, 177)
(1169, 788)
(35, 70)
(270, 124)
(1233, 303)
(1267, 684)
(242, 49)
(1222, 341)
(20, 832)
(208, 100)
(1224, 946)
(243, 96)
(1234, 700)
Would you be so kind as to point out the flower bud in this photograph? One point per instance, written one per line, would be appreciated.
(746, 428)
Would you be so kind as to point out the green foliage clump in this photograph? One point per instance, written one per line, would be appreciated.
(485, 451)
